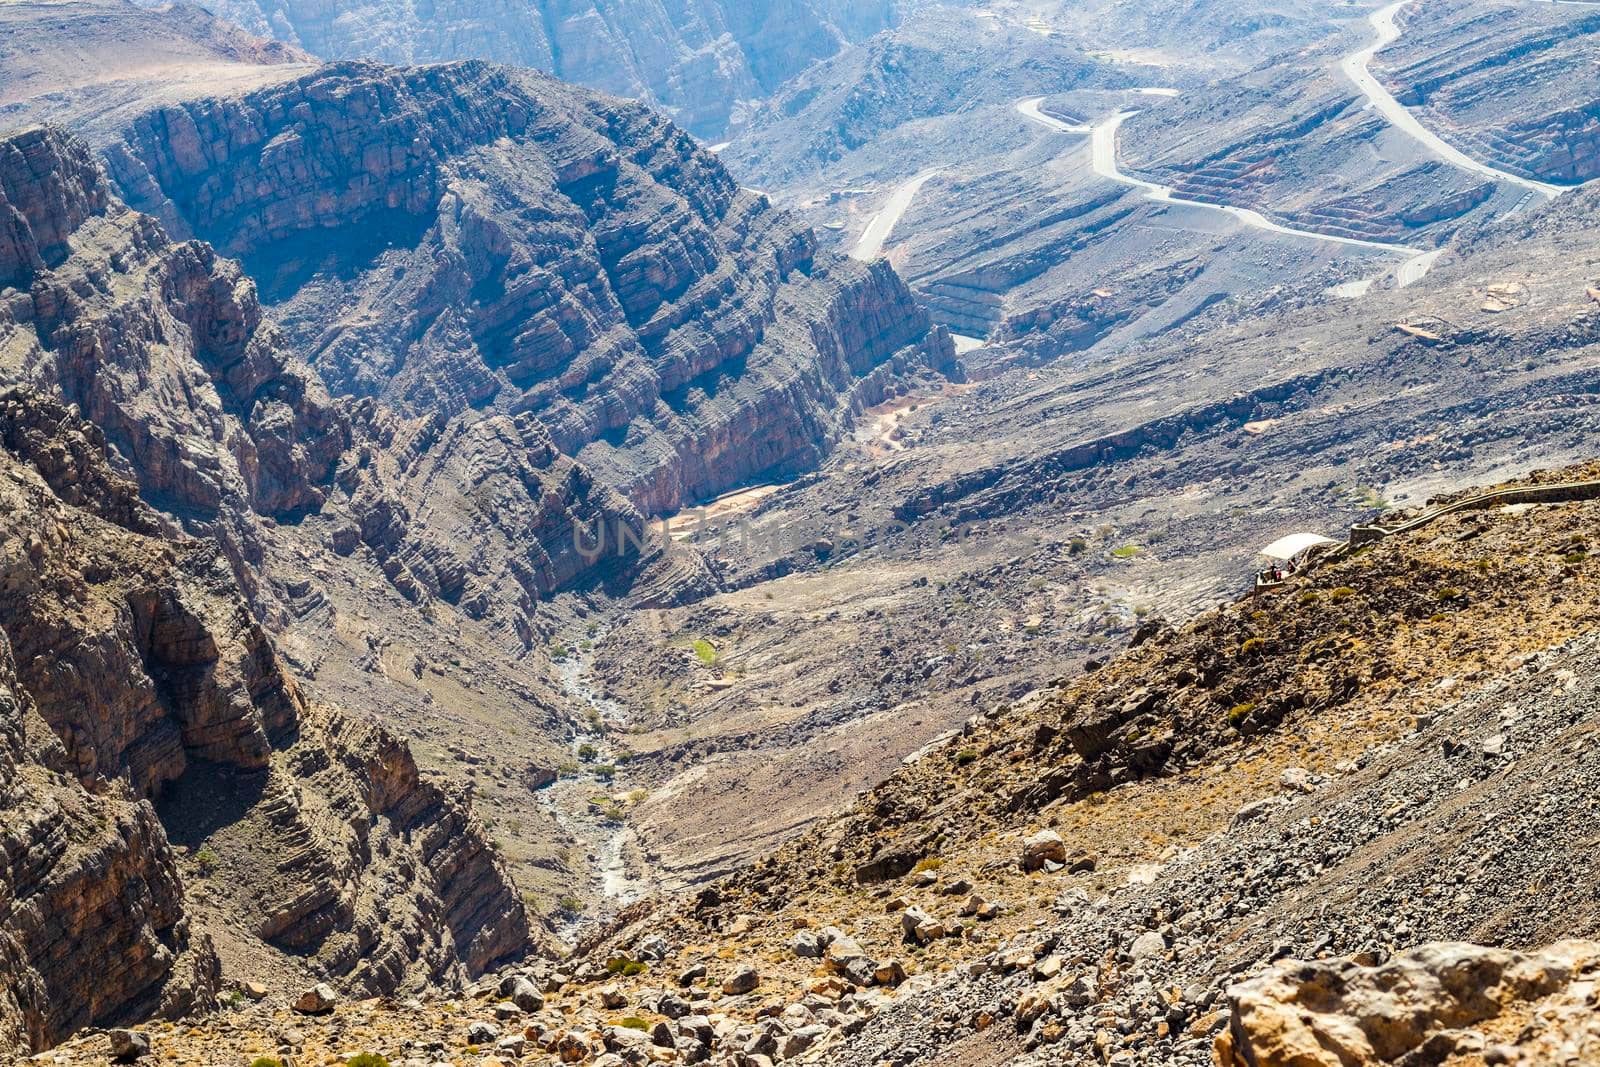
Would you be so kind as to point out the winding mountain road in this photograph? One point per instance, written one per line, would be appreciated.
(1029, 109)
(1103, 157)
(870, 245)
(1105, 165)
(1357, 68)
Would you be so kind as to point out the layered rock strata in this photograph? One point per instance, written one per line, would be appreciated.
(467, 238)
(132, 670)
(162, 344)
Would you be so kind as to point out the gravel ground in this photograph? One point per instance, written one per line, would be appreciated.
(1479, 826)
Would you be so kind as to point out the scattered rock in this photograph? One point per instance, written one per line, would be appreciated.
(742, 981)
(1147, 945)
(1044, 847)
(318, 1000)
(129, 1045)
(482, 1033)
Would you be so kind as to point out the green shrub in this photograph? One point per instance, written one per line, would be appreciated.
(966, 756)
(1126, 551)
(1344, 592)
(1252, 646)
(571, 905)
(558, 651)
(931, 863)
(367, 1059)
(705, 652)
(626, 967)
(1449, 594)
(266, 1061)
(207, 859)
(587, 752)
(633, 1022)
(1240, 712)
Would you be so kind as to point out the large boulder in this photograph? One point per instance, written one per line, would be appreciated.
(1423, 1006)
(1046, 846)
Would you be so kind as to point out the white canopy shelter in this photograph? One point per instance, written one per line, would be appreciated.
(1287, 548)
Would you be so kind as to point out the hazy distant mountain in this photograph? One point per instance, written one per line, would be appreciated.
(700, 59)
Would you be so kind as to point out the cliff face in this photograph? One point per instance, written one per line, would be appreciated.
(142, 703)
(91, 906)
(131, 668)
(485, 515)
(161, 344)
(700, 60)
(470, 237)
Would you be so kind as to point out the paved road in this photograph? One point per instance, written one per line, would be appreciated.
(1356, 68)
(1105, 165)
(1029, 109)
(870, 246)
(1103, 141)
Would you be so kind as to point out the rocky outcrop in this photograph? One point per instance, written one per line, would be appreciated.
(483, 514)
(131, 668)
(1504, 87)
(1442, 1002)
(92, 925)
(161, 344)
(468, 237)
(703, 61)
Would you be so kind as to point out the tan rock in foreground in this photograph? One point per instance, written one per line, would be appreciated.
(1462, 1003)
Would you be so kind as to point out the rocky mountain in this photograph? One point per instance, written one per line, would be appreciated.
(485, 584)
(136, 673)
(600, 325)
(150, 401)
(553, 254)
(705, 62)
(1135, 863)
(945, 62)
(1501, 81)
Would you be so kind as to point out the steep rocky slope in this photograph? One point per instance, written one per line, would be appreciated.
(161, 344)
(578, 278)
(1504, 81)
(1325, 795)
(549, 252)
(1433, 786)
(135, 670)
(704, 62)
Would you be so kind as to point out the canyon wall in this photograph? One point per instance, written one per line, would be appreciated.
(142, 707)
(471, 238)
(152, 432)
